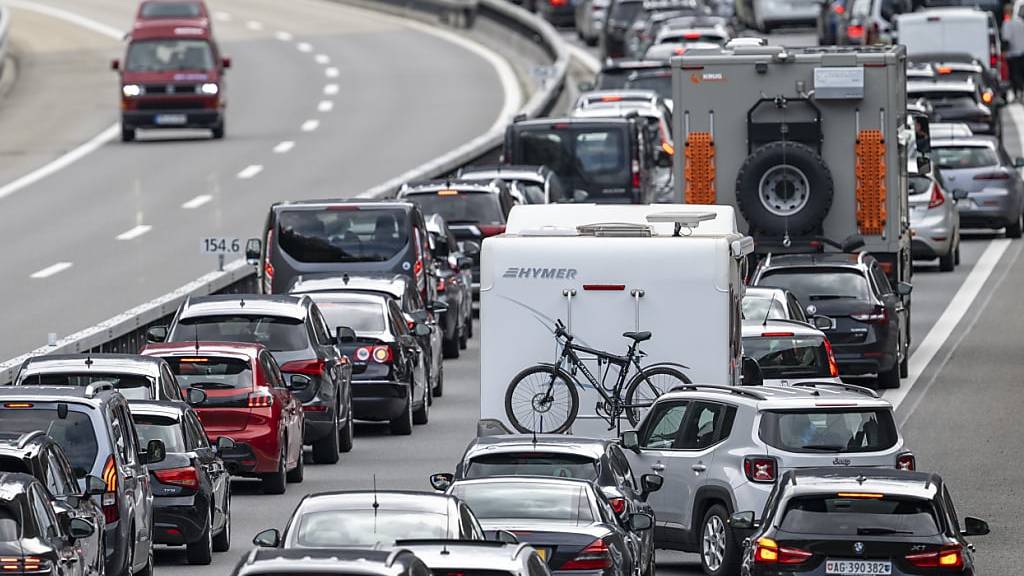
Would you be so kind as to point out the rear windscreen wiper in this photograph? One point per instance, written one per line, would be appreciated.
(824, 447)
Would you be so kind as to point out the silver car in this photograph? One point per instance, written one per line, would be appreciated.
(766, 15)
(980, 170)
(934, 221)
(590, 16)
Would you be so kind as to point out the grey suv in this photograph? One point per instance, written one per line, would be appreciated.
(93, 426)
(721, 449)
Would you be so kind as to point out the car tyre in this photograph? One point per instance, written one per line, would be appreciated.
(422, 416)
(201, 551)
(218, 131)
(450, 346)
(889, 379)
(958, 252)
(463, 337)
(222, 541)
(402, 425)
(1013, 230)
(719, 554)
(295, 475)
(274, 482)
(325, 450)
(469, 324)
(348, 432)
(127, 134)
(439, 385)
(947, 262)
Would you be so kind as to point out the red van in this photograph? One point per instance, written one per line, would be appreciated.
(172, 76)
(173, 10)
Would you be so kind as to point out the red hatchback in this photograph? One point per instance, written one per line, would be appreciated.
(247, 401)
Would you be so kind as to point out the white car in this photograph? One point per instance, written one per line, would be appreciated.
(789, 352)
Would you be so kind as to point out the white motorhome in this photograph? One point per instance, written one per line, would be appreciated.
(674, 270)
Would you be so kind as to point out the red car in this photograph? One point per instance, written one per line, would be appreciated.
(246, 400)
(172, 76)
(194, 10)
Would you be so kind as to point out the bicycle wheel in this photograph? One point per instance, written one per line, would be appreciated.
(647, 385)
(542, 399)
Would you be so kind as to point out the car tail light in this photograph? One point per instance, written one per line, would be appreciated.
(594, 557)
(636, 174)
(261, 398)
(992, 176)
(878, 315)
(777, 334)
(691, 35)
(185, 477)
(760, 469)
(618, 504)
(363, 354)
(906, 461)
(314, 367)
(109, 498)
(855, 31)
(993, 61)
(767, 551)
(442, 284)
(557, 2)
(383, 354)
(839, 9)
(268, 268)
(987, 97)
(833, 367)
(24, 564)
(937, 198)
(945, 557)
(491, 230)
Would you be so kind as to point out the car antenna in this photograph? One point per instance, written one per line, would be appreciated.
(196, 326)
(344, 278)
(88, 359)
(768, 312)
(447, 528)
(376, 504)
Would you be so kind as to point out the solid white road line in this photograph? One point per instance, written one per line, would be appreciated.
(67, 16)
(331, 89)
(331, 72)
(197, 202)
(284, 147)
(134, 232)
(310, 125)
(325, 106)
(254, 25)
(304, 47)
(250, 171)
(283, 36)
(51, 270)
(322, 59)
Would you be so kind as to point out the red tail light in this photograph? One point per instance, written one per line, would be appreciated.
(185, 477)
(636, 174)
(491, 230)
(691, 35)
(306, 367)
(878, 315)
(594, 557)
(886, 267)
(557, 2)
(109, 498)
(268, 268)
(993, 60)
(261, 398)
(937, 198)
(760, 469)
(442, 284)
(380, 354)
(992, 176)
(833, 367)
(839, 9)
(618, 504)
(946, 557)
(767, 551)
(906, 461)
(855, 31)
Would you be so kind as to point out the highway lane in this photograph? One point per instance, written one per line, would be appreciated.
(360, 97)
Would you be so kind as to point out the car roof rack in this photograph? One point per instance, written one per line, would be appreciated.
(849, 387)
(719, 388)
(96, 387)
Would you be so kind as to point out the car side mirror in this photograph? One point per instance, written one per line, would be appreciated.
(904, 288)
(650, 483)
(80, 528)
(505, 537)
(155, 452)
(421, 329)
(441, 481)
(156, 333)
(638, 522)
(224, 444)
(585, 86)
(225, 62)
(974, 527)
(344, 335)
(664, 159)
(465, 262)
(438, 307)
(630, 440)
(115, 64)
(924, 164)
(269, 538)
(1018, 162)
(742, 520)
(751, 372)
(253, 247)
(195, 396)
(94, 486)
(470, 247)
(960, 194)
(299, 382)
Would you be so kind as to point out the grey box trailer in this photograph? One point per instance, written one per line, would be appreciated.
(810, 144)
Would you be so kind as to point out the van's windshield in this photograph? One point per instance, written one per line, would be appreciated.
(343, 235)
(594, 156)
(169, 55)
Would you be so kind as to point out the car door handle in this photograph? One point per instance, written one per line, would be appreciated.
(699, 467)
(659, 467)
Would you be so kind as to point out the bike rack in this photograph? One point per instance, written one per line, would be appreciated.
(637, 294)
(569, 294)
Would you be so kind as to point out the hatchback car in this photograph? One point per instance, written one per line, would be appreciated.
(956, 101)
(135, 377)
(529, 184)
(869, 325)
(307, 562)
(294, 331)
(788, 352)
(248, 401)
(767, 15)
(981, 168)
(858, 520)
(454, 273)
(934, 221)
(191, 487)
(95, 429)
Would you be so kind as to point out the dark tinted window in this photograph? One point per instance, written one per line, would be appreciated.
(533, 464)
(169, 55)
(841, 430)
(817, 284)
(343, 235)
(171, 10)
(919, 185)
(277, 333)
(625, 12)
(660, 82)
(845, 516)
(74, 433)
(703, 427)
(212, 372)
(462, 208)
(159, 428)
(11, 515)
(789, 356)
(602, 155)
(359, 315)
(518, 500)
(14, 464)
(959, 157)
(131, 386)
(331, 528)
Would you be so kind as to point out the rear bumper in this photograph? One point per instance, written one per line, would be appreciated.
(192, 118)
(861, 359)
(378, 400)
(933, 235)
(179, 521)
(255, 451)
(317, 424)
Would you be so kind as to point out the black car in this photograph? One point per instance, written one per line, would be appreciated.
(957, 101)
(366, 519)
(621, 15)
(566, 520)
(275, 562)
(342, 237)
(857, 521)
(294, 331)
(37, 454)
(866, 319)
(454, 272)
(191, 487)
(134, 376)
(596, 459)
(32, 540)
(957, 67)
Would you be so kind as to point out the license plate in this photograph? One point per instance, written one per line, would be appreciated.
(854, 567)
(171, 119)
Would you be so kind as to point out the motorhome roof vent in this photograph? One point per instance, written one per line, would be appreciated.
(616, 230)
(689, 220)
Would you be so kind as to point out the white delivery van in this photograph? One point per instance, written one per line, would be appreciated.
(948, 31)
(675, 271)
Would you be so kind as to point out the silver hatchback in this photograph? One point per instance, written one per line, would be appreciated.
(934, 221)
(989, 179)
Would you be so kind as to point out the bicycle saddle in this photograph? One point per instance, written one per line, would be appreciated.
(638, 336)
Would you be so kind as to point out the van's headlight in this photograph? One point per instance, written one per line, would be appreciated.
(209, 88)
(131, 90)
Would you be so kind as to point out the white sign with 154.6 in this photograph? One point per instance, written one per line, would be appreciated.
(220, 246)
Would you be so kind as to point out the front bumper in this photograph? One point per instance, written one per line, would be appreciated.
(179, 520)
(378, 400)
(204, 118)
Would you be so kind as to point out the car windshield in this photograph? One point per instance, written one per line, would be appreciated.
(789, 356)
(460, 208)
(760, 308)
(277, 333)
(819, 283)
(597, 156)
(74, 432)
(362, 316)
(168, 430)
(333, 528)
(833, 430)
(947, 99)
(532, 464)
(918, 185)
(169, 55)
(960, 157)
(864, 515)
(526, 501)
(660, 82)
(185, 10)
(131, 386)
(343, 235)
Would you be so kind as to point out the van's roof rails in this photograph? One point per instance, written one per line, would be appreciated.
(96, 387)
(615, 229)
(850, 387)
(719, 388)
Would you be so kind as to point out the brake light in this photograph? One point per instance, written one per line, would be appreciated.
(906, 461)
(611, 98)
(944, 70)
(594, 557)
(636, 174)
(759, 469)
(604, 287)
(185, 477)
(109, 498)
(855, 31)
(306, 367)
(442, 284)
(491, 230)
(767, 551)
(946, 557)
(776, 334)
(833, 367)
(618, 504)
(878, 315)
(839, 9)
(382, 354)
(691, 35)
(937, 198)
(24, 564)
(992, 176)
(557, 2)
(993, 60)
(261, 398)
(861, 495)
(987, 96)
(268, 268)
(18, 405)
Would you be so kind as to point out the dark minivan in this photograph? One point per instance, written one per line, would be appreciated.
(604, 160)
(339, 236)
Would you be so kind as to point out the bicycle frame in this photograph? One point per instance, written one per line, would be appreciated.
(614, 406)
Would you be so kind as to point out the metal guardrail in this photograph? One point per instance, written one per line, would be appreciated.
(126, 332)
(5, 25)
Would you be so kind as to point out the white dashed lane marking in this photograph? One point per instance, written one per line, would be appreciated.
(134, 232)
(304, 47)
(325, 106)
(284, 147)
(331, 89)
(197, 202)
(51, 270)
(322, 59)
(254, 25)
(222, 16)
(310, 125)
(250, 171)
(331, 72)
(283, 36)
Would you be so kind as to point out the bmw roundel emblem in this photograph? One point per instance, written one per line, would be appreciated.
(858, 547)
